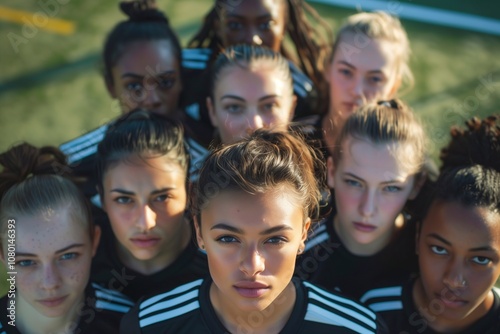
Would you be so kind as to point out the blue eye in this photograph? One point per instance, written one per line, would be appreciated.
(481, 260)
(69, 256)
(376, 80)
(226, 239)
(345, 72)
(233, 109)
(161, 198)
(123, 200)
(352, 183)
(25, 263)
(438, 250)
(393, 189)
(277, 240)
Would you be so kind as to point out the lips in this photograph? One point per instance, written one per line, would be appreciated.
(251, 289)
(363, 227)
(452, 302)
(145, 241)
(52, 302)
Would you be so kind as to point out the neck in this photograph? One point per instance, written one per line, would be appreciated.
(30, 321)
(271, 320)
(169, 253)
(371, 248)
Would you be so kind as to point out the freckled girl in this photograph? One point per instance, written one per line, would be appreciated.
(55, 240)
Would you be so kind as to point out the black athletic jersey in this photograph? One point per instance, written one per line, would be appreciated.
(81, 153)
(188, 309)
(100, 314)
(110, 272)
(396, 306)
(197, 85)
(329, 264)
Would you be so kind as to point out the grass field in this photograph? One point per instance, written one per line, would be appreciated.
(51, 89)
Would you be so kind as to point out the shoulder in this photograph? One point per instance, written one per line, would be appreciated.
(110, 300)
(166, 306)
(84, 146)
(195, 59)
(333, 309)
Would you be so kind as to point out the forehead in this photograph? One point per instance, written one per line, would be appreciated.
(252, 9)
(474, 226)
(139, 172)
(374, 162)
(47, 233)
(254, 211)
(365, 53)
(148, 58)
(261, 78)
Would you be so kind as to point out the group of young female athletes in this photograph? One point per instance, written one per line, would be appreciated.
(250, 188)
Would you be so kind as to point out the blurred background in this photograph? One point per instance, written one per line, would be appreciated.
(51, 89)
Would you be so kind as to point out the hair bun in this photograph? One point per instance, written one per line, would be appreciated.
(25, 160)
(142, 11)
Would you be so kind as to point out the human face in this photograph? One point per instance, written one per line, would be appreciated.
(145, 201)
(53, 258)
(252, 243)
(253, 22)
(362, 70)
(371, 188)
(147, 76)
(249, 99)
(457, 244)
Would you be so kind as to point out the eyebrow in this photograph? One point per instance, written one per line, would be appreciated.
(343, 62)
(475, 249)
(56, 252)
(269, 97)
(241, 17)
(232, 97)
(154, 192)
(138, 76)
(360, 179)
(223, 226)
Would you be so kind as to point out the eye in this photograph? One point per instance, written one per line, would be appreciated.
(352, 183)
(346, 72)
(277, 240)
(134, 87)
(226, 239)
(69, 256)
(376, 79)
(166, 82)
(392, 189)
(233, 109)
(266, 25)
(438, 250)
(161, 198)
(269, 107)
(481, 260)
(25, 263)
(234, 25)
(123, 200)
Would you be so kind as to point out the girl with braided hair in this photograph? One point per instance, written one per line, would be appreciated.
(47, 231)
(458, 243)
(263, 23)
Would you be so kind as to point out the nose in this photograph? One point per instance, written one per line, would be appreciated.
(147, 218)
(51, 278)
(152, 100)
(357, 88)
(454, 277)
(368, 204)
(252, 37)
(252, 261)
(255, 121)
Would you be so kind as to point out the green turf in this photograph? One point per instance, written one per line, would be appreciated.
(69, 97)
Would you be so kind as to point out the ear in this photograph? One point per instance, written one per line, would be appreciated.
(330, 173)
(96, 240)
(418, 184)
(199, 237)
(211, 112)
(305, 231)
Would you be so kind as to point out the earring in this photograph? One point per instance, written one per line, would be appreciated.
(299, 251)
(202, 246)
